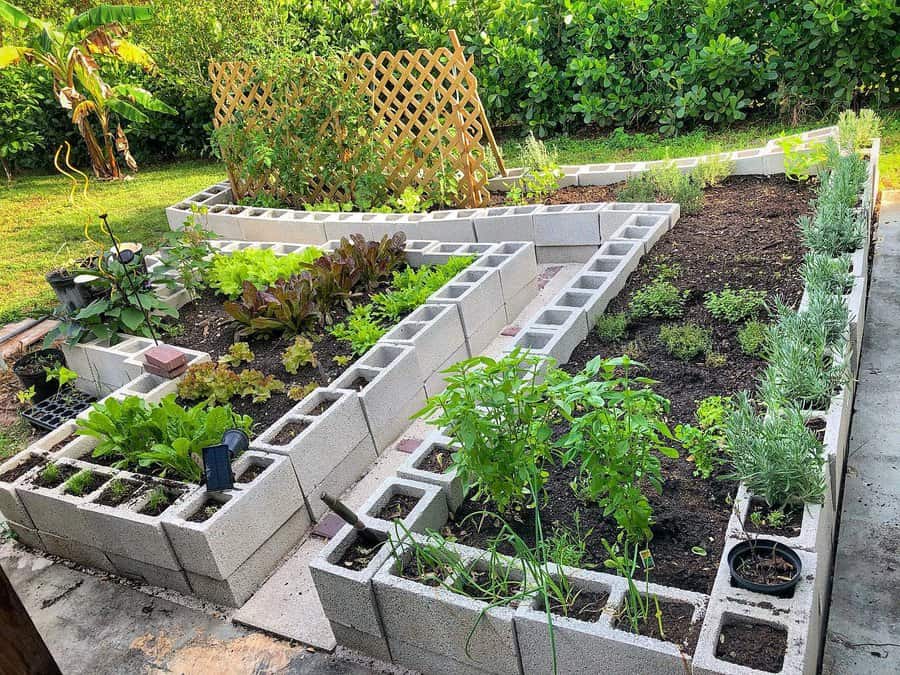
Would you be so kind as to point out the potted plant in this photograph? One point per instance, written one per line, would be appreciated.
(764, 566)
(32, 370)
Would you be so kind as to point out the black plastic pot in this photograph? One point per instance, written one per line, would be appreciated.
(762, 548)
(53, 412)
(71, 296)
(30, 371)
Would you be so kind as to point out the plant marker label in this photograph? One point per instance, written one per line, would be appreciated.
(647, 559)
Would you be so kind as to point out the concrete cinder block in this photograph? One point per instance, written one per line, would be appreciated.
(299, 227)
(518, 302)
(516, 262)
(616, 214)
(561, 255)
(370, 645)
(390, 388)
(748, 162)
(628, 250)
(429, 513)
(512, 223)
(11, 505)
(223, 221)
(565, 328)
(426, 662)
(415, 250)
(643, 228)
(350, 470)
(449, 481)
(475, 291)
(453, 225)
(83, 554)
(237, 588)
(603, 287)
(247, 517)
(437, 382)
(338, 225)
(346, 594)
(55, 512)
(438, 621)
(330, 435)
(26, 536)
(504, 183)
(436, 333)
(567, 225)
(440, 252)
(150, 574)
(487, 332)
(587, 647)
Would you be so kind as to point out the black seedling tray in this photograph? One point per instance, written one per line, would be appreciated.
(54, 411)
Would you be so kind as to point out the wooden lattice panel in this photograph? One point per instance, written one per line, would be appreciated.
(425, 111)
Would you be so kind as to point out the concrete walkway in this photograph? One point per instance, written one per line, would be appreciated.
(864, 626)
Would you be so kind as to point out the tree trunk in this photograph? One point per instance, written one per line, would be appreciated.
(99, 164)
(109, 146)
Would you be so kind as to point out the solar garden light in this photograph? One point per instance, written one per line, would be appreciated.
(217, 473)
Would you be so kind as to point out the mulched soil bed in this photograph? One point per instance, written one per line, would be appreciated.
(108, 498)
(206, 326)
(398, 507)
(588, 606)
(359, 554)
(790, 528)
(746, 236)
(754, 645)
(22, 468)
(676, 624)
(570, 195)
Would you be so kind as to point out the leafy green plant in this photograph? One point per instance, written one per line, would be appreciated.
(61, 375)
(616, 438)
(163, 436)
(775, 455)
(411, 287)
(300, 353)
(801, 159)
(157, 499)
(672, 185)
(238, 353)
(775, 518)
(287, 307)
(187, 251)
(826, 273)
(25, 396)
(753, 337)
(542, 173)
(623, 559)
(611, 327)
(50, 473)
(686, 341)
(299, 392)
(361, 330)
(218, 383)
(230, 272)
(20, 122)
(638, 188)
(375, 260)
(411, 200)
(498, 414)
(735, 305)
(705, 442)
(658, 300)
(79, 483)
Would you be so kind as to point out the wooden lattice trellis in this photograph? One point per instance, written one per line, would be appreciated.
(425, 112)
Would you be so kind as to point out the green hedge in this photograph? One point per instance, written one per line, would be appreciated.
(551, 64)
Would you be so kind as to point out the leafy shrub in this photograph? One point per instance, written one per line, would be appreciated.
(775, 455)
(163, 436)
(826, 273)
(498, 414)
(752, 337)
(230, 272)
(686, 341)
(664, 183)
(300, 353)
(735, 305)
(658, 300)
(285, 307)
(637, 188)
(614, 438)
(856, 130)
(712, 170)
(611, 327)
(188, 253)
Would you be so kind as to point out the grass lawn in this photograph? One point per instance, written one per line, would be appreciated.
(40, 229)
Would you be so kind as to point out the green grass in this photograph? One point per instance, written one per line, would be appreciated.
(13, 438)
(40, 229)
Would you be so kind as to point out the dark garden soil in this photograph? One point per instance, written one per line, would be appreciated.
(746, 236)
(677, 626)
(398, 507)
(359, 554)
(588, 606)
(436, 461)
(59, 444)
(250, 473)
(208, 510)
(112, 497)
(570, 195)
(754, 645)
(171, 495)
(480, 586)
(793, 518)
(289, 432)
(207, 327)
(65, 472)
(21, 469)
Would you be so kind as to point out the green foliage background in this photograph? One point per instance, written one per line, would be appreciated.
(545, 65)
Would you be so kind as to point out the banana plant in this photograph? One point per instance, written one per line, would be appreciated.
(68, 53)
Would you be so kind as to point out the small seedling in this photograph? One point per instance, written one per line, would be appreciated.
(237, 354)
(300, 391)
(342, 359)
(79, 483)
(25, 396)
(716, 360)
(753, 337)
(61, 374)
(658, 300)
(300, 353)
(50, 473)
(118, 489)
(611, 327)
(157, 499)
